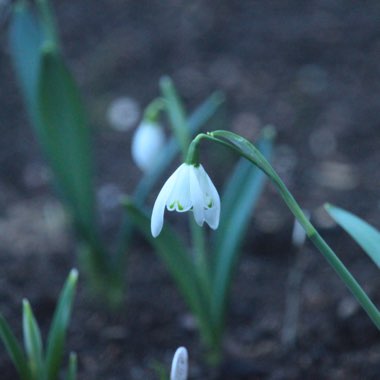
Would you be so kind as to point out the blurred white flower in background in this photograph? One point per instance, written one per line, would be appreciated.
(179, 365)
(147, 143)
(188, 188)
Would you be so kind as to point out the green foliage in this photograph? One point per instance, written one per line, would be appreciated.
(363, 233)
(65, 138)
(33, 364)
(25, 40)
(72, 369)
(176, 113)
(32, 342)
(59, 118)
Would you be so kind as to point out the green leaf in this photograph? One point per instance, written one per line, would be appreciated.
(73, 364)
(32, 342)
(238, 202)
(176, 114)
(362, 232)
(176, 257)
(14, 350)
(65, 138)
(58, 330)
(25, 39)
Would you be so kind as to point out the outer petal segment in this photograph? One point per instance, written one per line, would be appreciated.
(157, 219)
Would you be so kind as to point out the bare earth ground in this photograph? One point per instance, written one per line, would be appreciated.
(311, 69)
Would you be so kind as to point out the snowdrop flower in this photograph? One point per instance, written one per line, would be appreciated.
(147, 143)
(188, 188)
(179, 365)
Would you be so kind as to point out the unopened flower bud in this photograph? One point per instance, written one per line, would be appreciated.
(179, 365)
(147, 143)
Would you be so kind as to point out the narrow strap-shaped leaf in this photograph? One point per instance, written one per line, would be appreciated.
(362, 232)
(25, 39)
(58, 330)
(176, 113)
(72, 368)
(177, 259)
(65, 137)
(239, 200)
(14, 350)
(32, 342)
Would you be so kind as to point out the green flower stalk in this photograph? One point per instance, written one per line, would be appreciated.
(245, 149)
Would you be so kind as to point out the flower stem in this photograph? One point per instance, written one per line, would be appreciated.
(330, 255)
(245, 149)
(200, 257)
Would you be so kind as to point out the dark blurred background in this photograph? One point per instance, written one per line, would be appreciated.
(310, 68)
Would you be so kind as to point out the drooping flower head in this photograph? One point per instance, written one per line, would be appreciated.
(188, 188)
(147, 143)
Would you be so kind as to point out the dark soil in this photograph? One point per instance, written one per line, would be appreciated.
(310, 68)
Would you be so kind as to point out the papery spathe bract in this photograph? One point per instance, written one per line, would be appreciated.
(188, 188)
(147, 143)
(179, 365)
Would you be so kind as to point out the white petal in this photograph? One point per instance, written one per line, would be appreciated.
(197, 197)
(147, 143)
(179, 198)
(212, 214)
(157, 219)
(179, 365)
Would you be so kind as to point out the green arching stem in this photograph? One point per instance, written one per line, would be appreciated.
(200, 257)
(192, 157)
(311, 232)
(153, 110)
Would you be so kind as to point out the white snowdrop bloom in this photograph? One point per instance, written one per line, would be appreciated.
(179, 365)
(147, 143)
(188, 188)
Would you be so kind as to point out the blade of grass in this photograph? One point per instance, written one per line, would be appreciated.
(25, 39)
(362, 232)
(176, 112)
(65, 138)
(58, 330)
(73, 365)
(14, 350)
(32, 342)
